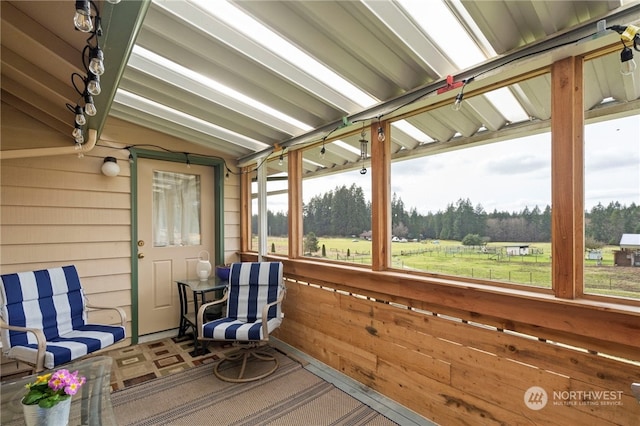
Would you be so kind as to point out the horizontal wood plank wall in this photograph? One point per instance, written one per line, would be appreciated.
(62, 210)
(454, 371)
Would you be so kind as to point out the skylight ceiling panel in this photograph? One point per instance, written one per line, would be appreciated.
(227, 29)
(163, 92)
(345, 37)
(431, 126)
(484, 112)
(332, 157)
(402, 139)
(497, 24)
(343, 155)
(622, 88)
(395, 148)
(535, 96)
(142, 118)
(177, 117)
(463, 121)
(207, 56)
(406, 29)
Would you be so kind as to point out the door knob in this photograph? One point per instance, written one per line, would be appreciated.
(140, 255)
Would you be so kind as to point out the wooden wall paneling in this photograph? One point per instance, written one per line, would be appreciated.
(602, 325)
(448, 370)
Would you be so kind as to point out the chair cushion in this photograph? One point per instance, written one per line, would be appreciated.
(251, 286)
(52, 298)
(230, 329)
(75, 344)
(53, 301)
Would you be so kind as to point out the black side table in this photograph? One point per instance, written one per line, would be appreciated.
(199, 289)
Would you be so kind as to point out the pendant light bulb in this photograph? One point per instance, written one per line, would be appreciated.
(89, 107)
(82, 18)
(93, 84)
(457, 105)
(77, 131)
(80, 119)
(627, 63)
(96, 61)
(322, 152)
(381, 136)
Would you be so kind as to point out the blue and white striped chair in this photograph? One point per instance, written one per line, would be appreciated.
(254, 299)
(43, 318)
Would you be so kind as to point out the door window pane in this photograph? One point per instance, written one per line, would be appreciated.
(176, 209)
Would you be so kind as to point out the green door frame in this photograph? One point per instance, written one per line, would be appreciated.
(218, 213)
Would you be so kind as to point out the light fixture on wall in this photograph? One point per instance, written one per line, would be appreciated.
(363, 150)
(110, 167)
(629, 33)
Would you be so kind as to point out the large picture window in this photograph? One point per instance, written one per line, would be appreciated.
(612, 208)
(277, 209)
(337, 202)
(474, 204)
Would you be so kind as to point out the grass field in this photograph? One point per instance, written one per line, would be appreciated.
(451, 258)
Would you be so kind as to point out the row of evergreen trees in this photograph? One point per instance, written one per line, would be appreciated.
(345, 212)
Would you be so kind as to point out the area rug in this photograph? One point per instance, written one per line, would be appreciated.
(136, 364)
(290, 396)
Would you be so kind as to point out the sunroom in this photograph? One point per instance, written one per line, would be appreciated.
(389, 153)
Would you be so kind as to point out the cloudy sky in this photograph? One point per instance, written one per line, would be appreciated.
(506, 176)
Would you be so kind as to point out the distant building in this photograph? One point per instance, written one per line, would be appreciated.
(629, 253)
(594, 255)
(519, 250)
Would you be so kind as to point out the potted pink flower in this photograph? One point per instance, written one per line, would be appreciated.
(48, 398)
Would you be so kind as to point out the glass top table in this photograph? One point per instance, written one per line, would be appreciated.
(90, 406)
(199, 289)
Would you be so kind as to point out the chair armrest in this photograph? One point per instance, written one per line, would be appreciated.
(119, 310)
(203, 308)
(265, 312)
(42, 342)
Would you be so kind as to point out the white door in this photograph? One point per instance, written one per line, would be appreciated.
(175, 224)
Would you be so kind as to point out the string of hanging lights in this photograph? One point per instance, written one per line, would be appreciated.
(87, 19)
